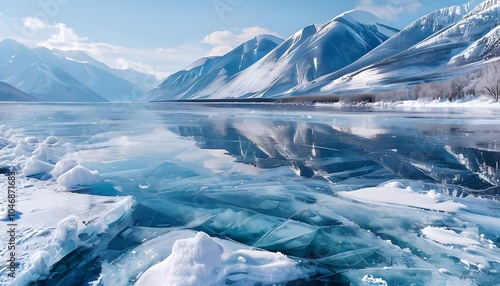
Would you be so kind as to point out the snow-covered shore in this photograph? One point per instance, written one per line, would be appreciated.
(426, 104)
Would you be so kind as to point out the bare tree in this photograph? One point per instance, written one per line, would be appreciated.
(491, 79)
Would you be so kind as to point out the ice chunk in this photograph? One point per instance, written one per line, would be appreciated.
(374, 281)
(31, 141)
(51, 141)
(62, 167)
(3, 142)
(52, 225)
(189, 258)
(194, 261)
(67, 229)
(79, 177)
(45, 154)
(36, 167)
(39, 263)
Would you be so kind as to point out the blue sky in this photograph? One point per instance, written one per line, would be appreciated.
(164, 36)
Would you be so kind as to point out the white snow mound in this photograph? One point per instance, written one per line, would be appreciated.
(79, 177)
(201, 260)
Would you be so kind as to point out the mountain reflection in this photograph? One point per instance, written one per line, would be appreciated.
(342, 153)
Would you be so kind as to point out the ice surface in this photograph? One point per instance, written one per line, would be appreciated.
(381, 194)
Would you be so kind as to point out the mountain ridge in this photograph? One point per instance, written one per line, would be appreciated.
(306, 55)
(91, 78)
(202, 73)
(351, 53)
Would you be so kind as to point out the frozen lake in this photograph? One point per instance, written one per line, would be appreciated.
(349, 195)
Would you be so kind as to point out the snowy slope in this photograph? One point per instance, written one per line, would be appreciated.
(13, 57)
(108, 85)
(414, 33)
(48, 83)
(485, 48)
(10, 93)
(208, 74)
(93, 75)
(308, 54)
(465, 41)
(355, 53)
(145, 81)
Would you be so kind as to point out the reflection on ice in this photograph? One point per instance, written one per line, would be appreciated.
(347, 198)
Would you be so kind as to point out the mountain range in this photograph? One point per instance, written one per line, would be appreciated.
(308, 54)
(68, 76)
(355, 52)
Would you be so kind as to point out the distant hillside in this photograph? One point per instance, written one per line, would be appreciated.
(10, 93)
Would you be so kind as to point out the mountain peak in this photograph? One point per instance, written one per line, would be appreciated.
(481, 6)
(10, 42)
(12, 45)
(268, 37)
(359, 16)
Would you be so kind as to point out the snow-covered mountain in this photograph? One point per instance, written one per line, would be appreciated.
(486, 47)
(89, 79)
(207, 75)
(356, 53)
(414, 33)
(465, 39)
(48, 83)
(10, 93)
(143, 80)
(305, 56)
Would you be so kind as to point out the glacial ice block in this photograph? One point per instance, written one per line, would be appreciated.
(53, 223)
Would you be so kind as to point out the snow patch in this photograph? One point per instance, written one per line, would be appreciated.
(447, 236)
(73, 60)
(394, 194)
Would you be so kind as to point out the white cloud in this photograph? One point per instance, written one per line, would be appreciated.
(389, 10)
(33, 23)
(63, 36)
(224, 41)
